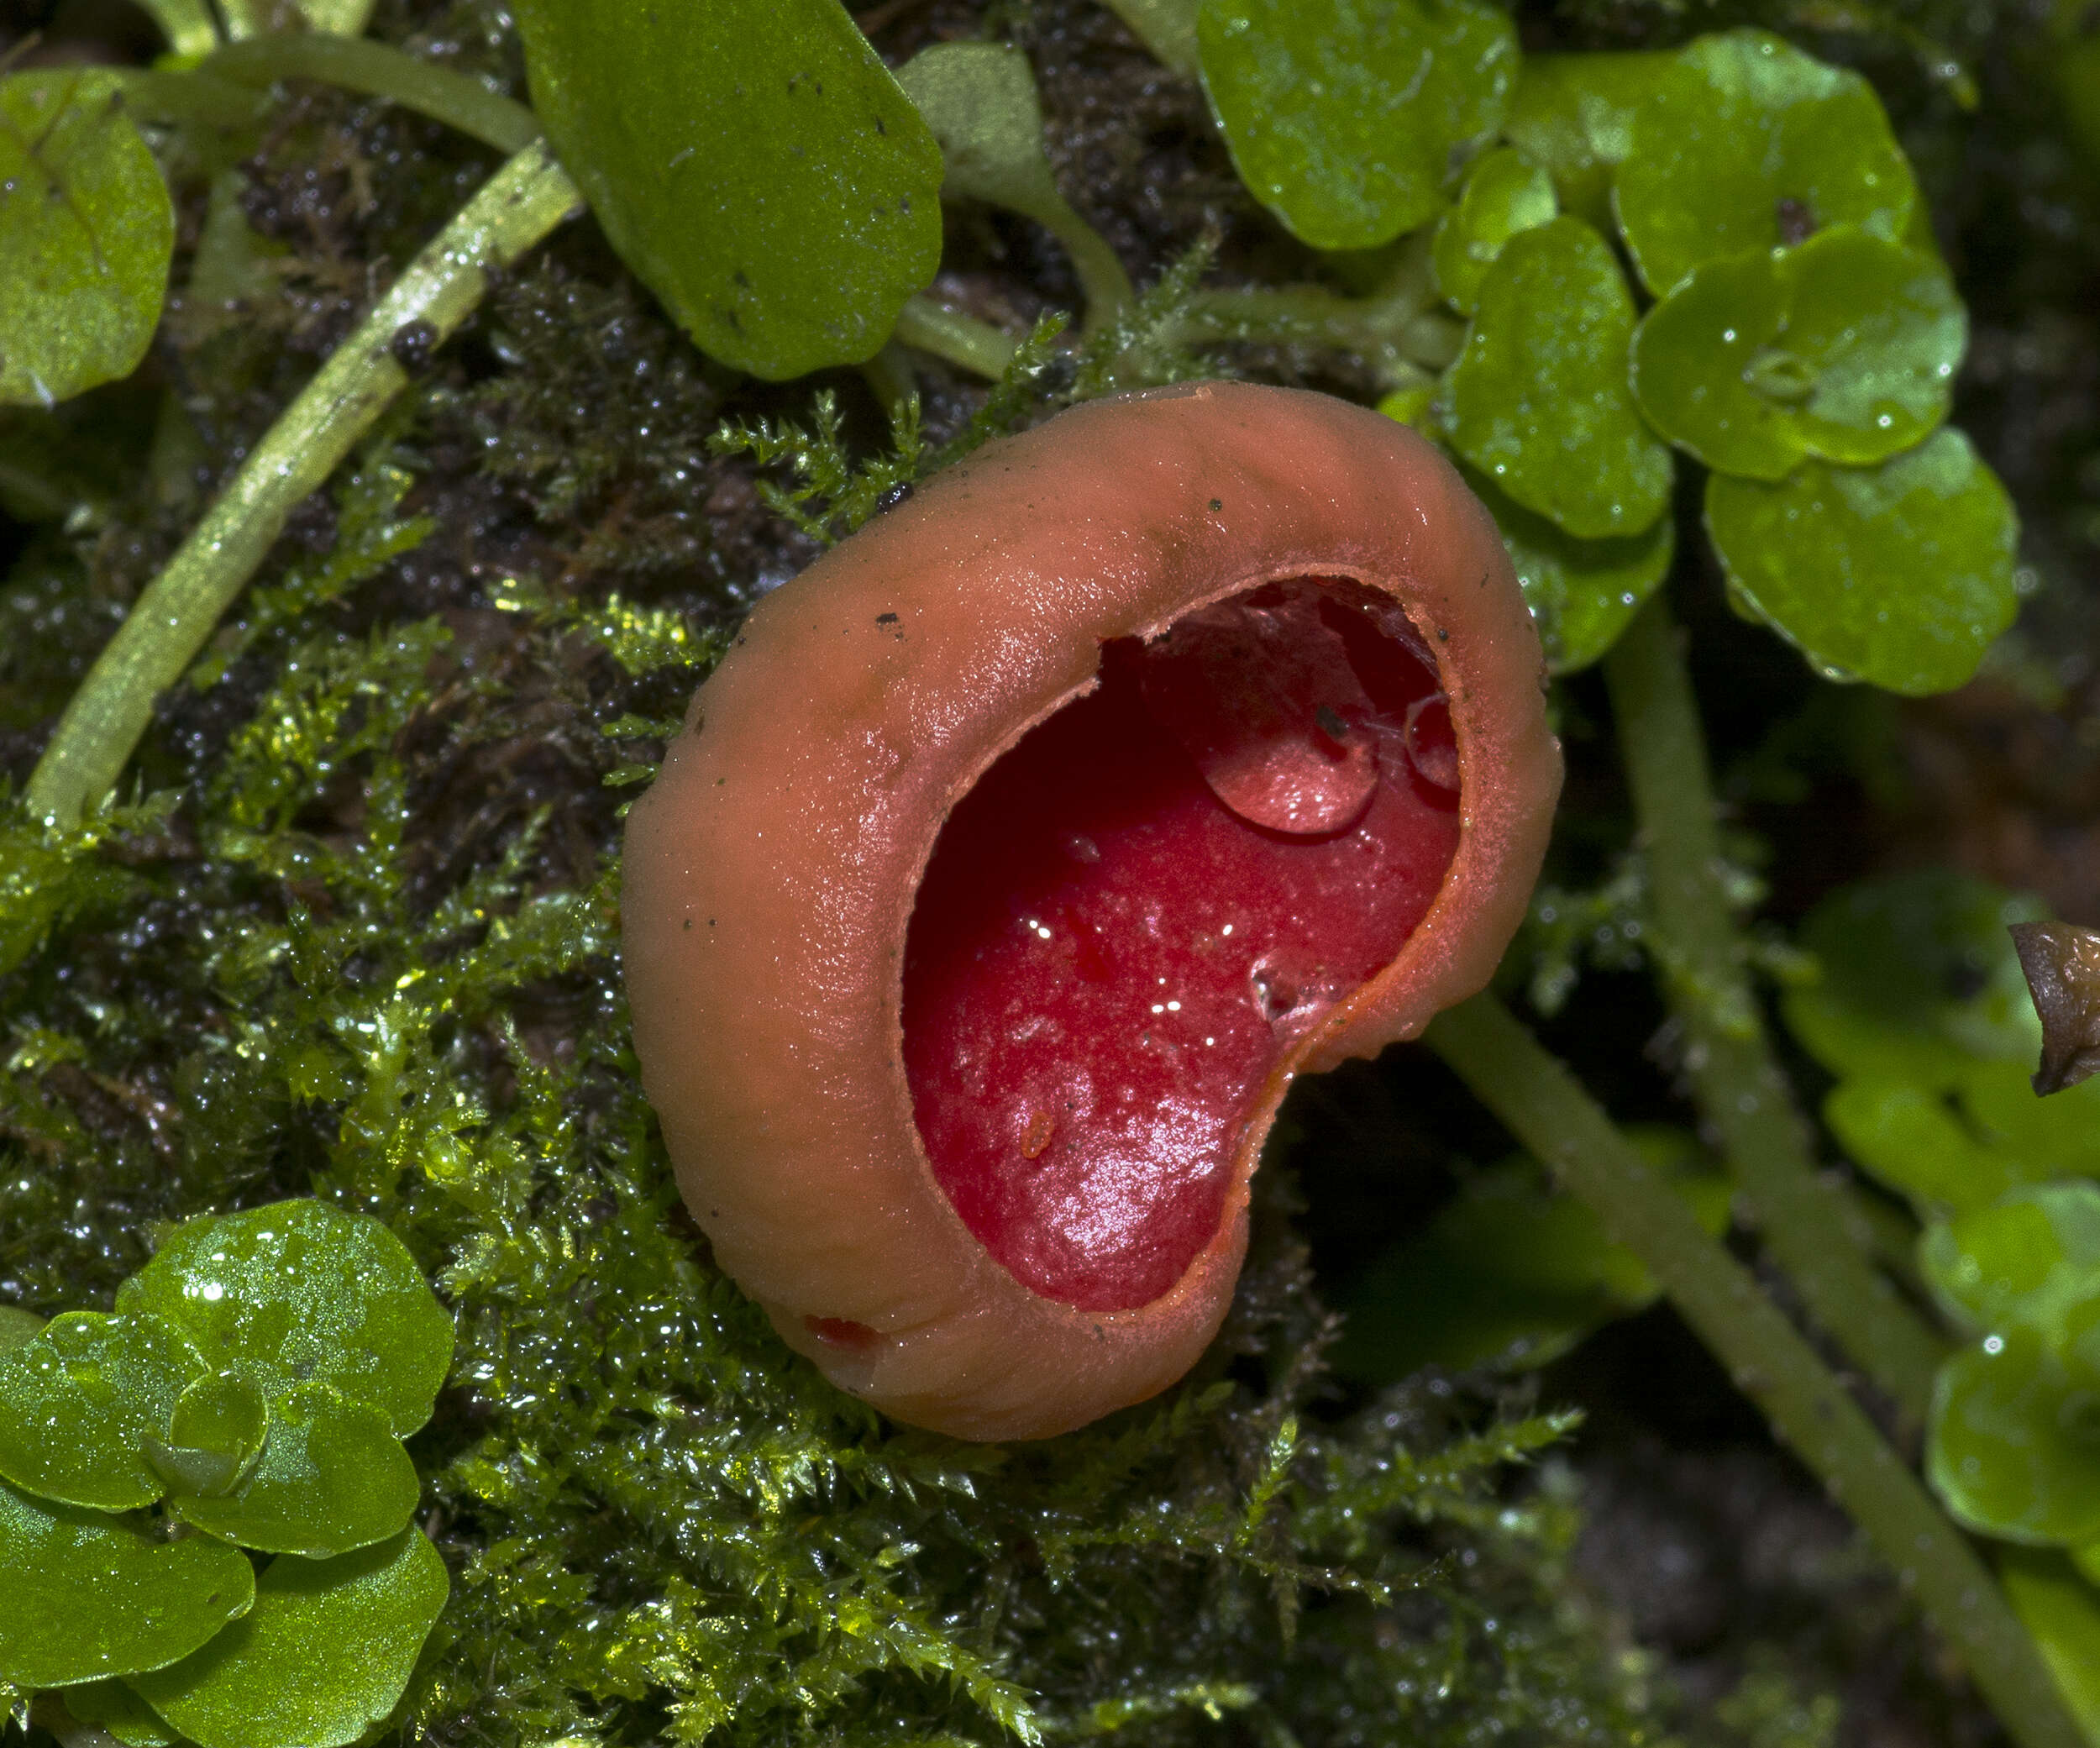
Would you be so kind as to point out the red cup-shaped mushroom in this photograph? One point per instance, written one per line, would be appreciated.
(1025, 848)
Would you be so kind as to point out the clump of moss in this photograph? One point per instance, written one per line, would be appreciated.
(657, 1518)
(361, 941)
(358, 938)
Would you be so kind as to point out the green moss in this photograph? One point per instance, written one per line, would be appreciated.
(660, 1521)
(362, 943)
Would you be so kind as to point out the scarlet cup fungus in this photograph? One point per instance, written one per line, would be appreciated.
(1024, 849)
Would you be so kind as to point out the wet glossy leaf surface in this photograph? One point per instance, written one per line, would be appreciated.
(1879, 331)
(1750, 144)
(88, 1595)
(1690, 368)
(214, 1435)
(2032, 1261)
(1917, 980)
(332, 1478)
(1539, 400)
(1581, 593)
(1901, 574)
(1573, 114)
(323, 1655)
(1504, 193)
(2014, 1448)
(672, 119)
(86, 231)
(17, 1326)
(1341, 115)
(1845, 348)
(298, 1292)
(79, 1403)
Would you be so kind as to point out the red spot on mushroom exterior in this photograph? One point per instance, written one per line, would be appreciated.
(1188, 742)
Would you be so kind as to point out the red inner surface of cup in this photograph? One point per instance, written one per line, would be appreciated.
(1136, 911)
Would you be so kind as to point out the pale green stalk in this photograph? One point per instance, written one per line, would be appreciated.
(187, 24)
(178, 611)
(1167, 28)
(380, 71)
(1540, 1103)
(961, 340)
(1806, 1225)
(344, 18)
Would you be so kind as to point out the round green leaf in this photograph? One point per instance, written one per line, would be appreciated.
(112, 1706)
(1879, 331)
(79, 1404)
(980, 100)
(1506, 193)
(213, 1437)
(753, 161)
(1581, 593)
(323, 1655)
(300, 1291)
(333, 1478)
(2032, 1260)
(86, 231)
(2062, 1611)
(1748, 144)
(17, 1326)
(1919, 982)
(1573, 114)
(1900, 574)
(1690, 368)
(87, 1595)
(1539, 400)
(2014, 1449)
(1845, 348)
(1342, 115)
(1909, 1137)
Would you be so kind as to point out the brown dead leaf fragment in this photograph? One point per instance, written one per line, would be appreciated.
(2062, 963)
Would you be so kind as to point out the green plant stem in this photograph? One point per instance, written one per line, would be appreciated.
(1103, 282)
(962, 340)
(1166, 28)
(171, 620)
(1550, 1112)
(244, 18)
(186, 24)
(1395, 332)
(194, 97)
(1399, 330)
(345, 18)
(1737, 1084)
(377, 70)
